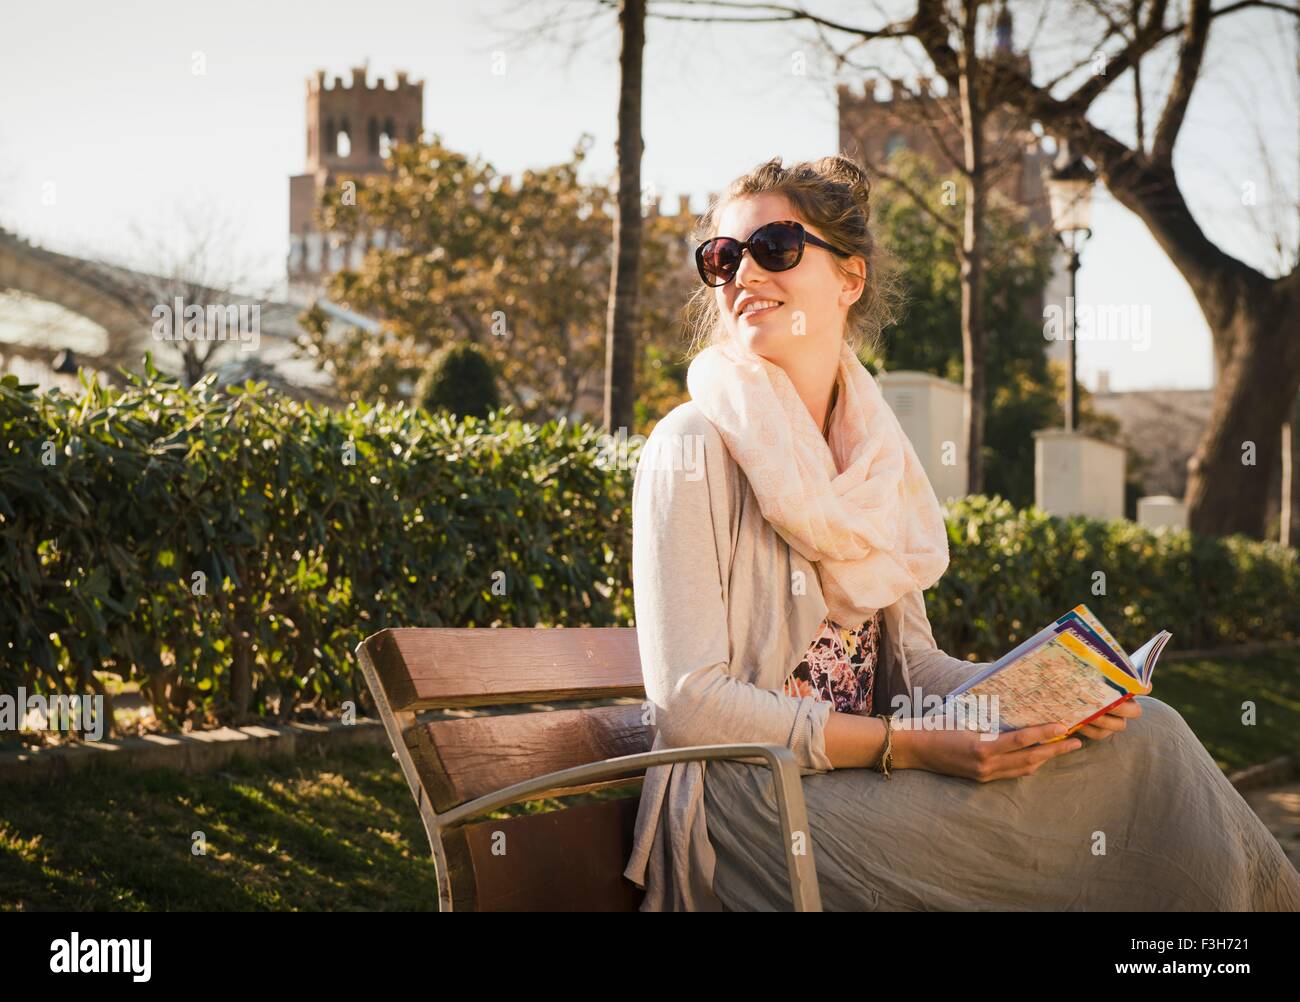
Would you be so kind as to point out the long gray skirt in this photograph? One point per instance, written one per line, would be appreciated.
(1141, 821)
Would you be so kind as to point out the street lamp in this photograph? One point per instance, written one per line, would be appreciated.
(1069, 189)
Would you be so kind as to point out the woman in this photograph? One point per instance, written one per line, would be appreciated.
(783, 532)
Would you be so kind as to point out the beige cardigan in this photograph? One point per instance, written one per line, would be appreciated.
(724, 609)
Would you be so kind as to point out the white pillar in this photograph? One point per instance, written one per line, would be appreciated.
(1161, 509)
(1076, 474)
(930, 411)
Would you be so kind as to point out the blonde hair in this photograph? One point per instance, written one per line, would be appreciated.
(833, 195)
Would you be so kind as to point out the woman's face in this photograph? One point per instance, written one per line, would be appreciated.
(814, 296)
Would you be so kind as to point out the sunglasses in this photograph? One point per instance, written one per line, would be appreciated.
(775, 246)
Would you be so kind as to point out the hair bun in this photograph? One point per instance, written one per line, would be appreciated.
(850, 174)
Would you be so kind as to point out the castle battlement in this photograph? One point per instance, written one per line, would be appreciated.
(899, 89)
(360, 83)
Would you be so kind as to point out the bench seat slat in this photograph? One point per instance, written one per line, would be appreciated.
(459, 760)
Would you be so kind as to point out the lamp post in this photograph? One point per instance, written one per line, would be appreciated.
(1069, 190)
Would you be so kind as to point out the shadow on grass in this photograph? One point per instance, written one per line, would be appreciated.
(332, 833)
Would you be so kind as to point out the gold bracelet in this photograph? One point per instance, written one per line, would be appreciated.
(887, 756)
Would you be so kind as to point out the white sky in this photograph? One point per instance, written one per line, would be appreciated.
(99, 101)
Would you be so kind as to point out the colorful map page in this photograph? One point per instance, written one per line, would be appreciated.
(1059, 681)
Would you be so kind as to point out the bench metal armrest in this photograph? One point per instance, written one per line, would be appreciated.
(804, 890)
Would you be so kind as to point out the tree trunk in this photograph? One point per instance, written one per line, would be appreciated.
(241, 667)
(972, 258)
(101, 689)
(1253, 323)
(1289, 530)
(621, 336)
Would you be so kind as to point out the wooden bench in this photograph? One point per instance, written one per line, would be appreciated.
(459, 769)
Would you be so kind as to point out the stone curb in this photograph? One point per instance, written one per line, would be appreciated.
(197, 751)
(1278, 771)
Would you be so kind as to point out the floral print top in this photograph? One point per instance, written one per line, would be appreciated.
(839, 667)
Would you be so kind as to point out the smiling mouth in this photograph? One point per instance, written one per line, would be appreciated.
(776, 305)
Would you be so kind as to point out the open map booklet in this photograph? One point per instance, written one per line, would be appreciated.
(1071, 672)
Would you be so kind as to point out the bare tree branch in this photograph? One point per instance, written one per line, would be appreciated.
(1190, 55)
(776, 13)
(1147, 37)
(1263, 4)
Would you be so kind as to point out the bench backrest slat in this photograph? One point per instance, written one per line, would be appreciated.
(436, 668)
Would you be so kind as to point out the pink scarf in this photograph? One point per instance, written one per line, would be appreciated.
(875, 530)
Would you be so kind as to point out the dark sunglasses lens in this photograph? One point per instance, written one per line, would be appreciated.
(776, 246)
(719, 258)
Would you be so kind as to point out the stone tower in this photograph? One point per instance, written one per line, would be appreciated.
(349, 130)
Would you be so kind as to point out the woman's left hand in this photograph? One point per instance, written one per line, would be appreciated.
(1112, 721)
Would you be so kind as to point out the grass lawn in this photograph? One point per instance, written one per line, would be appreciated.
(334, 832)
(320, 833)
(340, 832)
(1210, 694)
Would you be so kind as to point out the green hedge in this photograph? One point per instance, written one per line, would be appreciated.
(1013, 571)
(313, 528)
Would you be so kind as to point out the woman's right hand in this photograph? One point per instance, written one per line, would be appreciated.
(964, 753)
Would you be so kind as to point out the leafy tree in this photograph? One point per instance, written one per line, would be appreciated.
(459, 380)
(520, 272)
